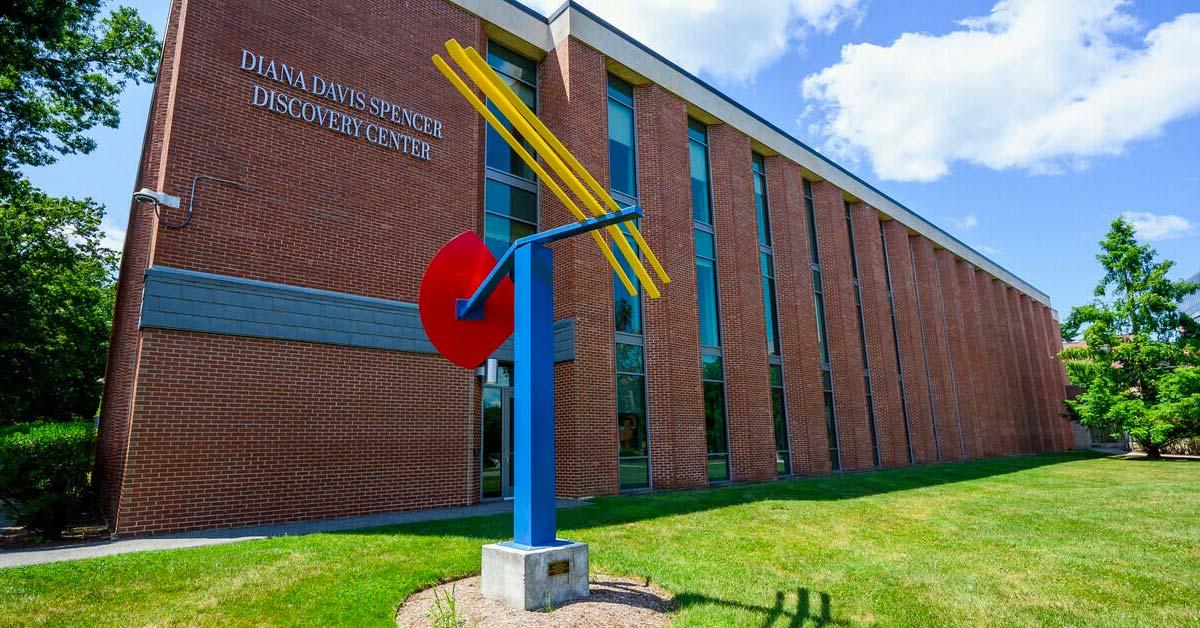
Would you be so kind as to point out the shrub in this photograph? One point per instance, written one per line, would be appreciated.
(44, 469)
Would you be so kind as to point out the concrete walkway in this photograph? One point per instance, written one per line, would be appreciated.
(36, 556)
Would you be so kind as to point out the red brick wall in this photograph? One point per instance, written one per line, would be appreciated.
(841, 320)
(952, 319)
(881, 352)
(234, 431)
(937, 356)
(912, 349)
(573, 101)
(976, 366)
(743, 326)
(677, 440)
(797, 318)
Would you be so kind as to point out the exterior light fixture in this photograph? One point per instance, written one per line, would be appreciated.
(162, 198)
(490, 371)
(158, 198)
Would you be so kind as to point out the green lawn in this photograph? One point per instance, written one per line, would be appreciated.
(1068, 539)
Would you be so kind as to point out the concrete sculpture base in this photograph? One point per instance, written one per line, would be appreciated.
(532, 579)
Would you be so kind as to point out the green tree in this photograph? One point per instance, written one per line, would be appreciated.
(62, 70)
(1140, 368)
(56, 304)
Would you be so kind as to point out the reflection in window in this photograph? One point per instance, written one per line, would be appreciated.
(766, 259)
(633, 438)
(510, 189)
(715, 423)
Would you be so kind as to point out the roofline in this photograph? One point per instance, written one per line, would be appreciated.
(573, 20)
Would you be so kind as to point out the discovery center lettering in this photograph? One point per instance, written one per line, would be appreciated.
(320, 114)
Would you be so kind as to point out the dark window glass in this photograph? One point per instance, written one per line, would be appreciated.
(622, 168)
(831, 427)
(712, 368)
(760, 204)
(705, 246)
(714, 417)
(706, 292)
(768, 285)
(499, 232)
(629, 358)
(822, 337)
(505, 200)
(631, 415)
(627, 308)
(634, 473)
(512, 64)
(701, 202)
(493, 438)
(520, 74)
(780, 416)
(814, 254)
(776, 376)
(620, 90)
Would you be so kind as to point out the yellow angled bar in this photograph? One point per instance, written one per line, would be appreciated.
(487, 81)
(533, 164)
(571, 161)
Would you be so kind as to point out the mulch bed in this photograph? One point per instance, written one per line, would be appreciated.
(614, 602)
(88, 527)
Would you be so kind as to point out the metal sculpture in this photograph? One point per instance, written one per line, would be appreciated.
(469, 305)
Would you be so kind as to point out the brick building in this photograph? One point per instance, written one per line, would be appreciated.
(268, 363)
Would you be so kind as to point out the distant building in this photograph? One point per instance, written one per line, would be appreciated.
(1191, 304)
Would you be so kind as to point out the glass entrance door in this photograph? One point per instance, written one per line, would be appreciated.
(496, 472)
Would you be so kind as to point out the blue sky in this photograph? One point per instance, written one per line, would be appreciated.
(1021, 127)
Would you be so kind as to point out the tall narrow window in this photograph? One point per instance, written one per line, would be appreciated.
(887, 267)
(633, 438)
(766, 257)
(862, 337)
(510, 187)
(814, 254)
(715, 424)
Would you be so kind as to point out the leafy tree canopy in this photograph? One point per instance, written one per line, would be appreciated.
(1140, 368)
(63, 68)
(56, 304)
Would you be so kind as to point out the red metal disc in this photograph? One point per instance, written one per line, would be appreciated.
(455, 273)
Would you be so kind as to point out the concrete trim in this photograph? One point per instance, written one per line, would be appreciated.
(573, 20)
(189, 300)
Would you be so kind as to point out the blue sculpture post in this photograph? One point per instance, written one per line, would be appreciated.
(535, 569)
(533, 344)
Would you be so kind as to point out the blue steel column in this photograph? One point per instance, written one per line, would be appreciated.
(533, 343)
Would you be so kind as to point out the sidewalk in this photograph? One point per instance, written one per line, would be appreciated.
(37, 556)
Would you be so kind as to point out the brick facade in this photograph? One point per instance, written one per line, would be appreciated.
(203, 430)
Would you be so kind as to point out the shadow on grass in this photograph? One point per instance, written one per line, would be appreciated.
(812, 608)
(615, 510)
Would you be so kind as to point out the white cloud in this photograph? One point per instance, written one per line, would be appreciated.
(1036, 85)
(1153, 227)
(726, 38)
(114, 237)
(965, 223)
(989, 251)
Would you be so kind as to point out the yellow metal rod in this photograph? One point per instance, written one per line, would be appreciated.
(470, 96)
(487, 80)
(574, 164)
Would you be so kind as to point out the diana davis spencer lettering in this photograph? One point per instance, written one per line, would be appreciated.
(315, 112)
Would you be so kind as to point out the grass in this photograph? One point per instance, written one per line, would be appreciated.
(1066, 539)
